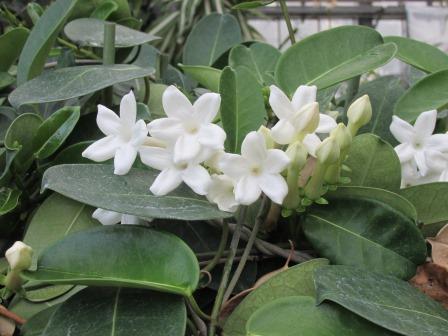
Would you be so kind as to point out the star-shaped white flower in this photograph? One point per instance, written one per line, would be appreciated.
(189, 128)
(221, 192)
(256, 170)
(123, 138)
(173, 174)
(417, 142)
(301, 114)
(107, 217)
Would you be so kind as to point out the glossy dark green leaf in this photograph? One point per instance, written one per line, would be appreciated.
(11, 44)
(297, 280)
(371, 228)
(331, 56)
(72, 154)
(421, 55)
(6, 80)
(66, 83)
(427, 94)
(373, 163)
(90, 32)
(429, 200)
(54, 131)
(207, 76)
(213, 35)
(104, 10)
(384, 300)
(96, 185)
(46, 293)
(242, 106)
(120, 312)
(86, 7)
(299, 316)
(383, 92)
(9, 199)
(56, 218)
(252, 4)
(7, 116)
(259, 58)
(120, 255)
(41, 39)
(6, 159)
(36, 325)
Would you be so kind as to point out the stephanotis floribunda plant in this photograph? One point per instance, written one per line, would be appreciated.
(201, 182)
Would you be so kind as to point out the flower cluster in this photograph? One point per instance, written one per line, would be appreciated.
(423, 155)
(188, 147)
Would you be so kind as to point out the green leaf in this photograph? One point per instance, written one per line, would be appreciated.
(120, 255)
(383, 92)
(72, 154)
(297, 280)
(421, 55)
(332, 56)
(259, 58)
(120, 312)
(213, 35)
(384, 300)
(155, 105)
(54, 131)
(46, 293)
(41, 39)
(373, 163)
(11, 44)
(429, 200)
(427, 94)
(96, 185)
(104, 10)
(371, 228)
(66, 83)
(56, 218)
(9, 199)
(299, 316)
(20, 137)
(6, 80)
(242, 106)
(35, 326)
(252, 4)
(207, 76)
(90, 32)
(7, 116)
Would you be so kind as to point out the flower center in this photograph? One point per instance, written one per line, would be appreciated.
(182, 166)
(191, 128)
(255, 170)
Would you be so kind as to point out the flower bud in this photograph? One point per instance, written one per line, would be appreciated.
(342, 135)
(298, 154)
(359, 113)
(19, 256)
(328, 151)
(307, 119)
(266, 132)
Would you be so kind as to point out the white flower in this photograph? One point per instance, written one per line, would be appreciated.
(301, 114)
(19, 256)
(257, 169)
(418, 141)
(173, 174)
(107, 217)
(189, 127)
(123, 135)
(221, 192)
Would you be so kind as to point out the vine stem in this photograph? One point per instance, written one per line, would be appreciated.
(285, 13)
(221, 248)
(195, 307)
(264, 206)
(109, 56)
(218, 6)
(226, 272)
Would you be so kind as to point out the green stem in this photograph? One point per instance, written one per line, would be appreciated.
(288, 21)
(109, 56)
(192, 327)
(81, 51)
(226, 272)
(218, 6)
(221, 248)
(250, 243)
(147, 90)
(194, 305)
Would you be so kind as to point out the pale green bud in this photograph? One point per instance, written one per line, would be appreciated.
(19, 256)
(360, 112)
(266, 132)
(342, 135)
(308, 118)
(328, 151)
(297, 153)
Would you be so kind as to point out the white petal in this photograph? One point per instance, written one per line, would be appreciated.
(166, 181)
(186, 148)
(283, 132)
(437, 162)
(167, 129)
(401, 130)
(247, 190)
(106, 217)
(405, 152)
(304, 95)
(438, 142)
(212, 136)
(156, 157)
(197, 178)
(274, 186)
(253, 147)
(312, 142)
(425, 123)
(102, 150)
(326, 124)
(276, 161)
(234, 165)
(220, 192)
(128, 109)
(280, 103)
(176, 104)
(139, 134)
(129, 219)
(124, 159)
(108, 122)
(444, 176)
(206, 107)
(420, 160)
